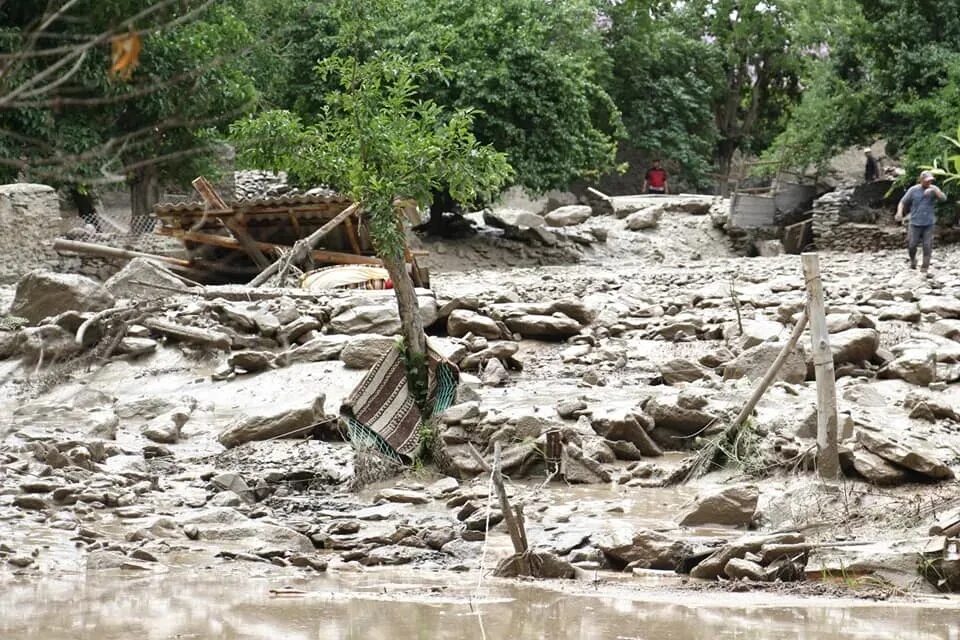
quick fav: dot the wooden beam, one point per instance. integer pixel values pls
(320, 255)
(828, 459)
(303, 247)
(233, 224)
(92, 249)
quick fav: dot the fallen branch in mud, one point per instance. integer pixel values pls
(709, 454)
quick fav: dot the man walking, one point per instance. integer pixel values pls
(919, 200)
(871, 170)
(655, 181)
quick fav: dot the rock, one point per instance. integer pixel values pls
(165, 429)
(681, 370)
(754, 332)
(363, 351)
(48, 344)
(317, 350)
(854, 345)
(42, 294)
(535, 564)
(875, 469)
(929, 408)
(30, 502)
(554, 327)
(459, 413)
(734, 506)
(675, 418)
(21, 562)
(909, 457)
(712, 567)
(512, 218)
(144, 279)
(503, 351)
(946, 329)
(570, 408)
(381, 318)
(628, 429)
(915, 367)
(568, 216)
(461, 322)
(576, 468)
(226, 525)
(136, 347)
(265, 423)
(643, 219)
(740, 569)
(494, 374)
(755, 362)
(404, 496)
(944, 306)
(906, 312)
(645, 549)
(251, 361)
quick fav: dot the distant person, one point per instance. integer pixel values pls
(919, 200)
(656, 180)
(871, 171)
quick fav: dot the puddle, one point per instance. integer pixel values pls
(383, 606)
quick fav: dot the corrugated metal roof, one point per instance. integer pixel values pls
(253, 203)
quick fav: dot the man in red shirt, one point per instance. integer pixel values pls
(656, 179)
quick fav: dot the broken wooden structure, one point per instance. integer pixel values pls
(239, 241)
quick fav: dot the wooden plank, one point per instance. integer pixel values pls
(233, 224)
(828, 459)
(352, 235)
(320, 255)
(90, 248)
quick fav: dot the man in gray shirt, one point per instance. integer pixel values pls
(919, 200)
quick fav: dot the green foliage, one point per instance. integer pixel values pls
(93, 128)
(377, 141)
(664, 83)
(527, 71)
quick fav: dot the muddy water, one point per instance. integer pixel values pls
(392, 606)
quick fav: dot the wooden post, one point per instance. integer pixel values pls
(514, 526)
(828, 460)
(552, 453)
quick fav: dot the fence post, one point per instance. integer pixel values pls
(828, 460)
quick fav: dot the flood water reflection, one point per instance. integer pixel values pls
(181, 605)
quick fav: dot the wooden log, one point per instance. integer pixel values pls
(828, 457)
(184, 333)
(517, 535)
(89, 248)
(551, 454)
(302, 247)
(210, 196)
(320, 255)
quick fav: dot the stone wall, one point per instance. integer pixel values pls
(29, 222)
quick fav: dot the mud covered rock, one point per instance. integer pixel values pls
(677, 419)
(644, 549)
(228, 526)
(274, 422)
(462, 321)
(754, 363)
(553, 327)
(42, 294)
(144, 279)
(908, 456)
(568, 215)
(363, 351)
(733, 506)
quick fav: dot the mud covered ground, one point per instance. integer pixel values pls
(189, 537)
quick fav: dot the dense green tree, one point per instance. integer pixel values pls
(79, 125)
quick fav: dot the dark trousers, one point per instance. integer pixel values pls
(920, 236)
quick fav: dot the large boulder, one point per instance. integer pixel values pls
(42, 294)
(644, 549)
(554, 327)
(680, 420)
(318, 349)
(734, 506)
(854, 345)
(363, 351)
(144, 279)
(380, 317)
(910, 456)
(513, 219)
(754, 332)
(643, 219)
(946, 329)
(462, 321)
(48, 343)
(943, 306)
(627, 428)
(227, 526)
(754, 363)
(569, 215)
(680, 370)
(872, 467)
(274, 422)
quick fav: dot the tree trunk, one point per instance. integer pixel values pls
(411, 323)
(725, 151)
(144, 193)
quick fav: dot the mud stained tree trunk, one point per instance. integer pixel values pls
(144, 193)
(411, 323)
(725, 151)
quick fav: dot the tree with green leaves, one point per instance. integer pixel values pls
(380, 144)
(65, 119)
(528, 70)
